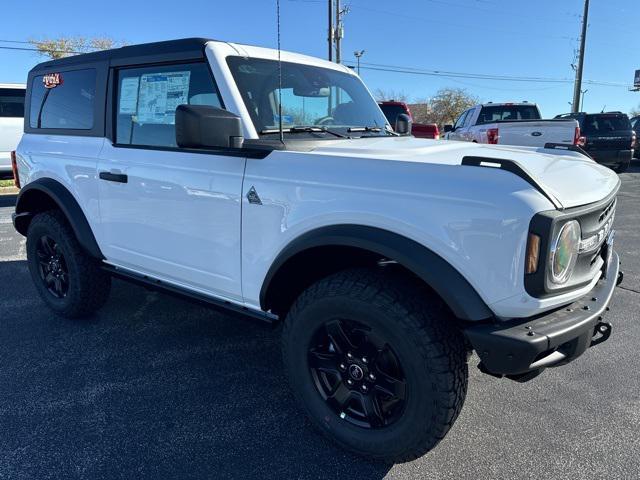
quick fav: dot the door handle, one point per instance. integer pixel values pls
(114, 177)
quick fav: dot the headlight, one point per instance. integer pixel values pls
(564, 253)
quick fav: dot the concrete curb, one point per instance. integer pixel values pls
(8, 190)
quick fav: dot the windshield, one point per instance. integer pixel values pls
(602, 123)
(508, 112)
(311, 97)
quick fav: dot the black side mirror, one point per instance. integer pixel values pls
(403, 124)
(448, 128)
(204, 126)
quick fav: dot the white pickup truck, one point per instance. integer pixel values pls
(11, 120)
(511, 124)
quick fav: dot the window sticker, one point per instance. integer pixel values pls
(52, 80)
(129, 95)
(160, 95)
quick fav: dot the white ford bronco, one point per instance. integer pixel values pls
(276, 189)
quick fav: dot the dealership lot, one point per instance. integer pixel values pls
(155, 387)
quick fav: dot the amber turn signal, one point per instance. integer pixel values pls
(533, 253)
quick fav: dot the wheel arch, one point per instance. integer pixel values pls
(48, 194)
(310, 256)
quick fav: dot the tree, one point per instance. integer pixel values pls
(635, 111)
(447, 105)
(382, 95)
(67, 46)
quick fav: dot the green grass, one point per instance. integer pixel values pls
(6, 183)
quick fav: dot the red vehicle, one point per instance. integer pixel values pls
(392, 109)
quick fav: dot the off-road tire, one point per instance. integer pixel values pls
(88, 285)
(418, 327)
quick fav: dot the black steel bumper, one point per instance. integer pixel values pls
(522, 348)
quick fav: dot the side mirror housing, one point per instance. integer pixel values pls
(403, 124)
(448, 128)
(204, 126)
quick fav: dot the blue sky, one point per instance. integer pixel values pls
(503, 37)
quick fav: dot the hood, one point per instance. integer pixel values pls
(570, 177)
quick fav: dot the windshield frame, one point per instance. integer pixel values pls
(269, 94)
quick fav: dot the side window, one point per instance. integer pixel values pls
(461, 120)
(147, 99)
(469, 119)
(11, 102)
(63, 100)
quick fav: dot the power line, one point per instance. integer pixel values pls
(478, 76)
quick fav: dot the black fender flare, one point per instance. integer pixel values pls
(436, 272)
(26, 207)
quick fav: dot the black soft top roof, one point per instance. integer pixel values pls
(142, 53)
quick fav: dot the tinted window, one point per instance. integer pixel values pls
(461, 120)
(148, 97)
(508, 112)
(67, 104)
(392, 112)
(604, 123)
(11, 102)
(311, 96)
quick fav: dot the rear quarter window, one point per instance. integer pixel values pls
(11, 103)
(67, 105)
(490, 114)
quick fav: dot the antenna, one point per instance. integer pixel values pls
(279, 77)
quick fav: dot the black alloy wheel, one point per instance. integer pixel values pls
(357, 373)
(52, 267)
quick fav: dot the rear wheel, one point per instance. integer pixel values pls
(69, 281)
(375, 363)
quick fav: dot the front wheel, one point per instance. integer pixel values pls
(375, 364)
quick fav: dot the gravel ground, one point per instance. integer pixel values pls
(155, 387)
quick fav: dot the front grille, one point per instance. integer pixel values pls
(593, 223)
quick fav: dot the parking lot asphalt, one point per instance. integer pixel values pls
(156, 387)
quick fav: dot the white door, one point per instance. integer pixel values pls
(167, 212)
(456, 134)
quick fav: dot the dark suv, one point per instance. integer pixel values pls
(607, 137)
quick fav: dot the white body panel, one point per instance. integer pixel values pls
(529, 133)
(177, 218)
(70, 160)
(184, 217)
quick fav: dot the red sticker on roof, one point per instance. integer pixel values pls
(52, 80)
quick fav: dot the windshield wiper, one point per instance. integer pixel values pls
(303, 129)
(372, 129)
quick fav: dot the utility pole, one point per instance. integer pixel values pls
(583, 38)
(331, 33)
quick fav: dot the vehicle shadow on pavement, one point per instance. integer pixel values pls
(151, 387)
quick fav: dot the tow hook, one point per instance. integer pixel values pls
(620, 277)
(601, 333)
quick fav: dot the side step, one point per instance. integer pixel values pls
(196, 297)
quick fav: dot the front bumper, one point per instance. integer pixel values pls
(522, 348)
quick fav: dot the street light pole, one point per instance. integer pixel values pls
(582, 102)
(358, 54)
(583, 38)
